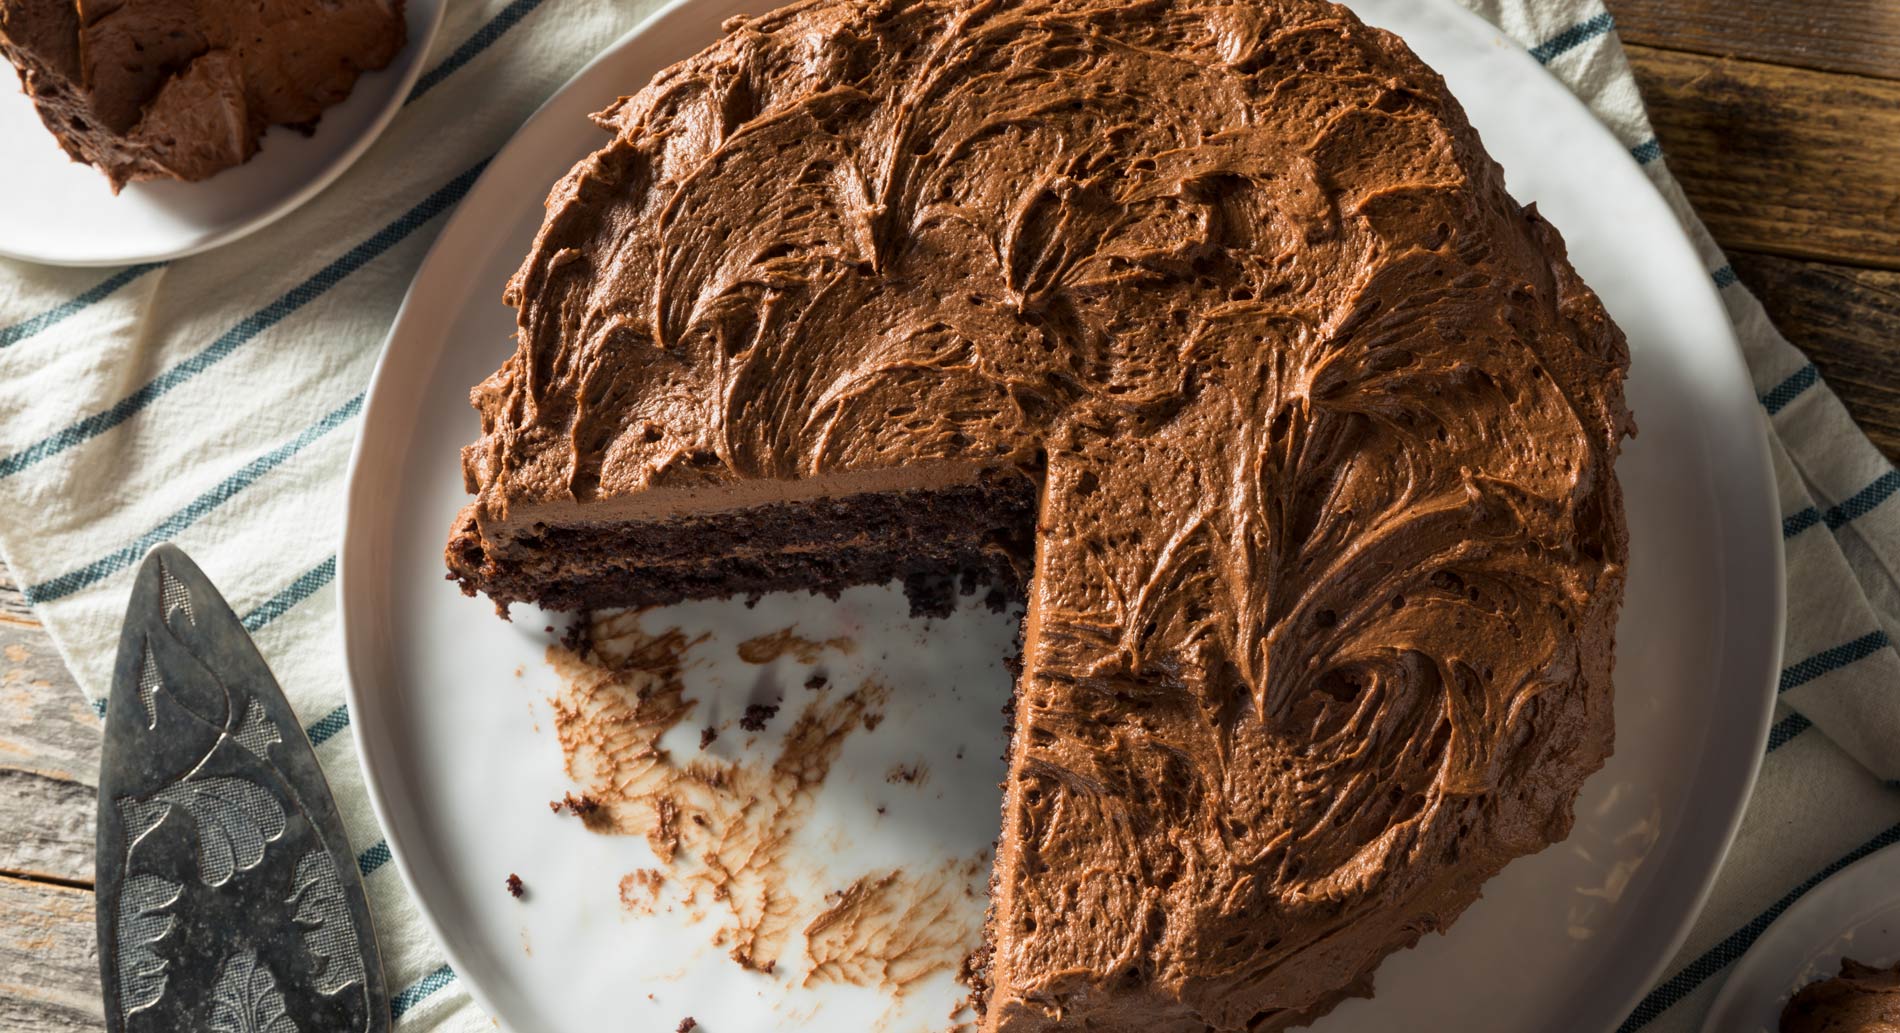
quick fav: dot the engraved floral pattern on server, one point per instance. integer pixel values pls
(235, 820)
(246, 999)
(322, 916)
(141, 921)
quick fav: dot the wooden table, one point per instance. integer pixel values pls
(1780, 117)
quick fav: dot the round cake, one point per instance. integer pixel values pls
(1208, 327)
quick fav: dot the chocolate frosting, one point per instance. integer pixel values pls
(1330, 545)
(182, 89)
(1862, 999)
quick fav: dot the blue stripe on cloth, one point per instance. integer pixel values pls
(249, 327)
(1833, 659)
(1573, 37)
(11, 335)
(106, 566)
(477, 42)
(1777, 398)
(373, 858)
(1647, 151)
(1863, 501)
(1858, 505)
(1724, 277)
(1799, 522)
(1720, 956)
(305, 586)
(1786, 729)
(328, 725)
(414, 994)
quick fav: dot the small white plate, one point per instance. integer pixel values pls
(60, 212)
(460, 755)
(1854, 914)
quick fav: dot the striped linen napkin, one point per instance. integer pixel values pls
(213, 400)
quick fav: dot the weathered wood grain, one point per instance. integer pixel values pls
(1858, 36)
(1848, 321)
(13, 607)
(49, 967)
(1781, 161)
(45, 725)
(49, 762)
(49, 827)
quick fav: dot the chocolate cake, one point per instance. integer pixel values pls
(184, 89)
(1862, 999)
(1208, 326)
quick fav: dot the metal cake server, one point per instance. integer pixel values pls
(228, 898)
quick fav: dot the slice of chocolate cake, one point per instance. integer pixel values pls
(1212, 319)
(184, 89)
(1861, 999)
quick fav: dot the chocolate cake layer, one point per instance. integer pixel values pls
(822, 545)
(183, 89)
(1327, 542)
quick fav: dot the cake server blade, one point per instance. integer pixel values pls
(227, 895)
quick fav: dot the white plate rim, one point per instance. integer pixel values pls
(419, 46)
(354, 554)
(1752, 969)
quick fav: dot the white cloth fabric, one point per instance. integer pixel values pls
(213, 401)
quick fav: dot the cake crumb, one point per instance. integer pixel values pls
(687, 1025)
(640, 890)
(756, 715)
(746, 960)
(910, 774)
(873, 718)
(579, 806)
(816, 682)
(515, 889)
(664, 836)
(707, 735)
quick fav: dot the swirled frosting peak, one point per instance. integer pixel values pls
(1319, 422)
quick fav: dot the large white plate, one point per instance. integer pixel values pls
(55, 210)
(461, 764)
(1854, 914)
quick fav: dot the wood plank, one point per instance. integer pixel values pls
(1857, 36)
(49, 965)
(46, 726)
(49, 824)
(13, 607)
(1848, 321)
(49, 761)
(1781, 161)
